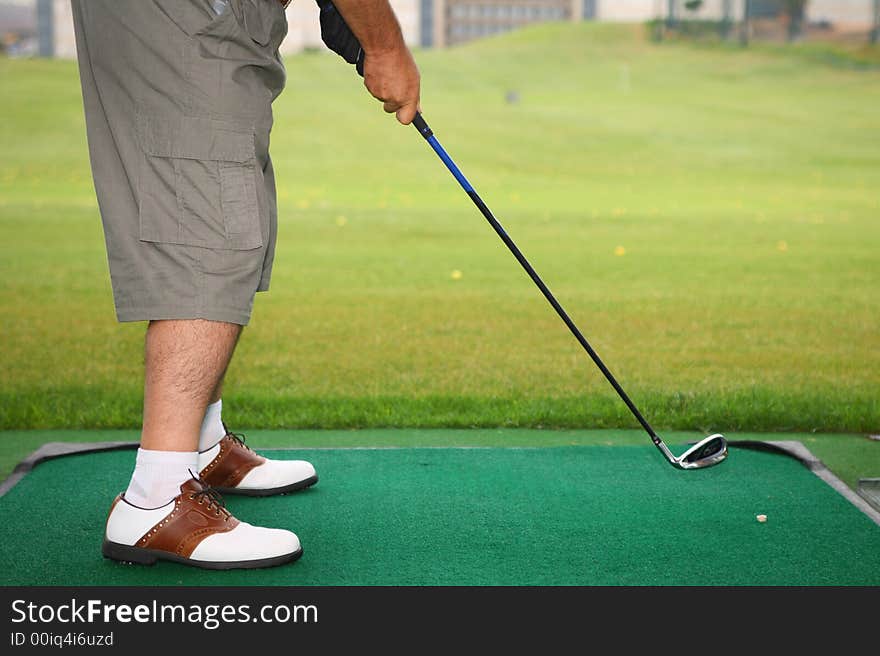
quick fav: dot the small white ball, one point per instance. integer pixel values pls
(761, 518)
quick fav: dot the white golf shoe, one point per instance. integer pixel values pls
(233, 468)
(194, 529)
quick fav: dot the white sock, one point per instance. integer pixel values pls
(158, 476)
(212, 427)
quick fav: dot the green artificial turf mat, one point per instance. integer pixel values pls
(850, 457)
(590, 515)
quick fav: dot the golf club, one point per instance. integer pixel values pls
(705, 453)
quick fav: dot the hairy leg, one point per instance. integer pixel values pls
(185, 361)
(218, 391)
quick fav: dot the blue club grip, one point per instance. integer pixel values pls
(422, 126)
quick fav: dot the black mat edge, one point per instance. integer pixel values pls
(52, 450)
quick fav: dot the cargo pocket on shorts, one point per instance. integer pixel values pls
(197, 183)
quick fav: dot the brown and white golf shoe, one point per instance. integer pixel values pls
(195, 529)
(232, 467)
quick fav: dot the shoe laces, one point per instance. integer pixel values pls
(210, 496)
(238, 437)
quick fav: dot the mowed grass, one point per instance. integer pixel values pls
(708, 217)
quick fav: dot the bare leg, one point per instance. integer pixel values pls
(218, 391)
(185, 362)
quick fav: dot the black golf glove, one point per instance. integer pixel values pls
(337, 35)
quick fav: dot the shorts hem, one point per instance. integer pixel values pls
(166, 312)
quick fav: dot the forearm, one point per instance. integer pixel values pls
(373, 23)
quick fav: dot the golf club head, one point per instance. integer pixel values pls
(705, 453)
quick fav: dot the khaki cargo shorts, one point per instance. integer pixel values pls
(178, 107)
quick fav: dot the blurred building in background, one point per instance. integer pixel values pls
(45, 27)
(449, 22)
(781, 19)
(18, 29)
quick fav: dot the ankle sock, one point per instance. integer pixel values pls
(158, 476)
(212, 427)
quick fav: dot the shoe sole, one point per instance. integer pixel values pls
(257, 492)
(139, 556)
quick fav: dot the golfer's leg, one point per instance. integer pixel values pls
(184, 365)
(217, 393)
(178, 140)
(185, 360)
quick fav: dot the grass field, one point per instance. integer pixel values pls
(708, 216)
